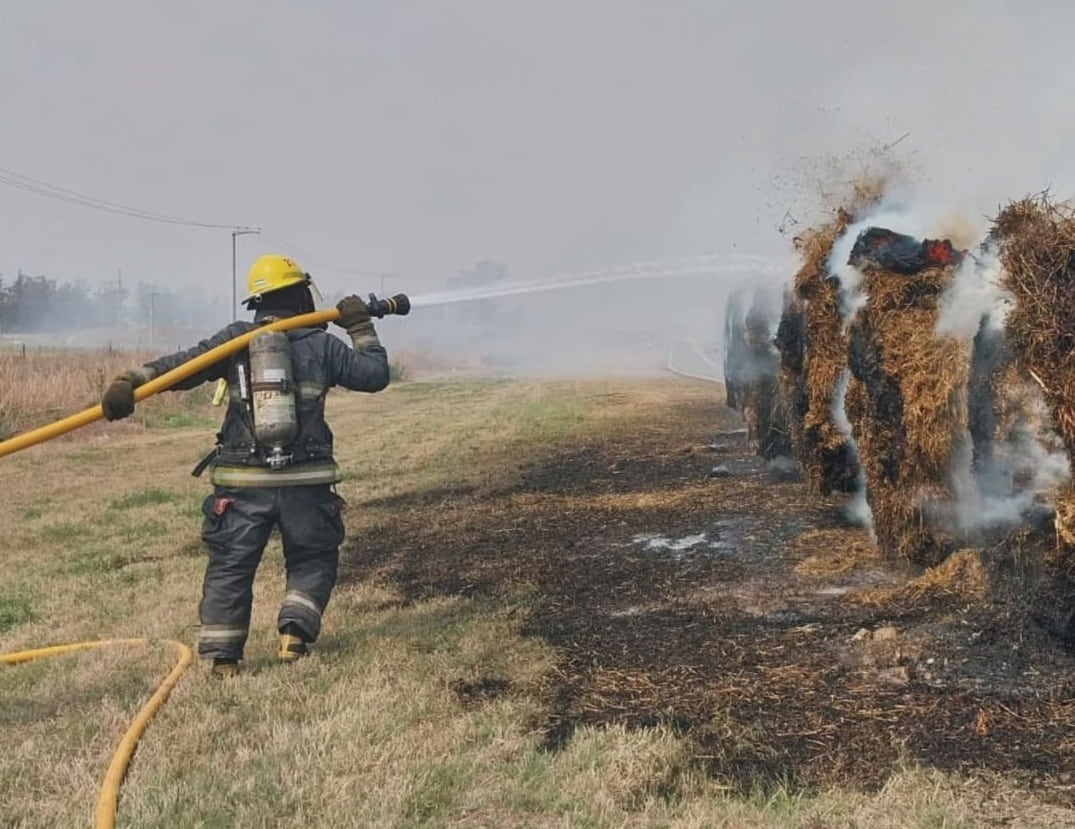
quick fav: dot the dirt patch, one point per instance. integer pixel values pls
(724, 608)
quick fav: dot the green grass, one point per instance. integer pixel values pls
(183, 420)
(16, 608)
(146, 497)
(66, 533)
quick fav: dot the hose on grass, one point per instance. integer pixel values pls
(108, 797)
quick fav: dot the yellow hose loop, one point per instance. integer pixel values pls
(108, 798)
(165, 381)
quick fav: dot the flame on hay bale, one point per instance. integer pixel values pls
(907, 404)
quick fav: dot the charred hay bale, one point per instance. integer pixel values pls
(751, 371)
(790, 344)
(813, 361)
(906, 401)
(766, 409)
(1036, 239)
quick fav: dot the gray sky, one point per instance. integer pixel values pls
(552, 135)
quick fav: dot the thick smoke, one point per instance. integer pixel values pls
(975, 295)
(1027, 468)
(1001, 494)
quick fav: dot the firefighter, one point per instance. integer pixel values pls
(257, 486)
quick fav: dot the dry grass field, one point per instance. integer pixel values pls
(548, 616)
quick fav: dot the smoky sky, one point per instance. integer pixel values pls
(417, 138)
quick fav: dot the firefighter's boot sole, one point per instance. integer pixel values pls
(224, 668)
(292, 648)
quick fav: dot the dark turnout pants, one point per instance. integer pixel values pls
(236, 528)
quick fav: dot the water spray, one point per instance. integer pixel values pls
(700, 266)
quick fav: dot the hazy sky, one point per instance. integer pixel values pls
(419, 137)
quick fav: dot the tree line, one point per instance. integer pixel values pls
(33, 304)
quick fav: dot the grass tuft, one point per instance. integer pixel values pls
(146, 497)
(15, 609)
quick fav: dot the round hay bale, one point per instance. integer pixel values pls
(813, 361)
(906, 401)
(1037, 245)
(1036, 240)
(751, 377)
(768, 428)
(735, 347)
(791, 345)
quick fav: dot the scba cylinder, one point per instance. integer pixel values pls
(272, 390)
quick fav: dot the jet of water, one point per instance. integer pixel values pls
(739, 265)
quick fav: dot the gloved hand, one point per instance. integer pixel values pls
(353, 312)
(118, 399)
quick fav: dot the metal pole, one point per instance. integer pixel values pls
(234, 298)
(239, 231)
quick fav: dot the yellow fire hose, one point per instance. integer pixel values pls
(165, 381)
(108, 798)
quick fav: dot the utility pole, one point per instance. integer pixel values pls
(239, 231)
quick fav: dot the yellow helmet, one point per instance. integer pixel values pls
(271, 273)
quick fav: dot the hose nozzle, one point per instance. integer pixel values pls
(399, 304)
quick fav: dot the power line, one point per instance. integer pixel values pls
(28, 184)
(317, 260)
(9, 178)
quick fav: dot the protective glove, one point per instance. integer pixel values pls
(355, 317)
(118, 399)
(353, 312)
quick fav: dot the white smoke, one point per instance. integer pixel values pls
(976, 293)
(1023, 470)
(1024, 473)
(857, 510)
(839, 410)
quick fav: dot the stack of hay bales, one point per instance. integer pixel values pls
(1037, 251)
(813, 362)
(906, 401)
(750, 371)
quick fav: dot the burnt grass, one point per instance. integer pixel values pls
(767, 672)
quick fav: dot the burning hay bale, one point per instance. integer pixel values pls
(1036, 238)
(813, 363)
(906, 401)
(750, 372)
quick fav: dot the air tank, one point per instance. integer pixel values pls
(273, 394)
